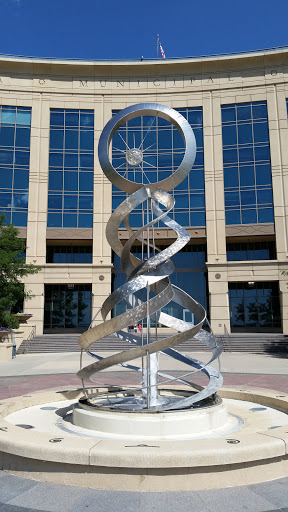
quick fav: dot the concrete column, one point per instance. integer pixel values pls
(283, 287)
(37, 209)
(219, 298)
(278, 133)
(102, 264)
(215, 213)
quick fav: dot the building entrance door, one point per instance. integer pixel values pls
(67, 307)
(255, 307)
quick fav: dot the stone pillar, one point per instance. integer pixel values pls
(101, 284)
(283, 287)
(37, 208)
(215, 213)
(278, 133)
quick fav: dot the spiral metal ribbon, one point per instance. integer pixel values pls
(152, 273)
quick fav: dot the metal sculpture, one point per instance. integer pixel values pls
(151, 275)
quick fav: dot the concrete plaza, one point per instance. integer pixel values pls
(28, 373)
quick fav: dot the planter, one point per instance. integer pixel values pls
(2, 334)
(23, 317)
(4, 331)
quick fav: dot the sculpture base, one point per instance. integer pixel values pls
(209, 421)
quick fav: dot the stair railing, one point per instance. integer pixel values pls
(227, 341)
(30, 337)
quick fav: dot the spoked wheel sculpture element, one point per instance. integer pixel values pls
(148, 289)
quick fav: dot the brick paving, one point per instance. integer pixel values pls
(21, 385)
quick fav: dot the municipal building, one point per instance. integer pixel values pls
(234, 203)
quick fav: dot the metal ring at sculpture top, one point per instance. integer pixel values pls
(147, 109)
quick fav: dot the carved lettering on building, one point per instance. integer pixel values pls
(167, 81)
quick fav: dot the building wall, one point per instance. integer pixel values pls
(104, 87)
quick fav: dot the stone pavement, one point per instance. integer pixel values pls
(34, 372)
(28, 373)
(23, 495)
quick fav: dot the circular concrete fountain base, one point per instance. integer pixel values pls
(37, 439)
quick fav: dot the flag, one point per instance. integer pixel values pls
(162, 51)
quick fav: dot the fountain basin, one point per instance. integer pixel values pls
(256, 452)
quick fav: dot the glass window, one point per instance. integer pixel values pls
(232, 217)
(69, 220)
(72, 118)
(22, 158)
(244, 133)
(71, 151)
(8, 115)
(55, 202)
(14, 163)
(56, 139)
(21, 179)
(23, 137)
(71, 139)
(254, 308)
(6, 177)
(67, 307)
(70, 180)
(7, 135)
(57, 117)
(23, 117)
(55, 180)
(228, 114)
(86, 181)
(250, 153)
(249, 216)
(251, 251)
(261, 133)
(69, 254)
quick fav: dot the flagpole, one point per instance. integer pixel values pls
(157, 46)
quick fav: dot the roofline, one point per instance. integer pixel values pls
(142, 60)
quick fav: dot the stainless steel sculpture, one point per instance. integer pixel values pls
(152, 275)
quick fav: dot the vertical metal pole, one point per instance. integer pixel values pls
(148, 315)
(152, 360)
(157, 46)
(144, 370)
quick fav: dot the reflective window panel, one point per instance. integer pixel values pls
(255, 307)
(15, 128)
(163, 150)
(71, 164)
(190, 275)
(67, 306)
(244, 251)
(69, 254)
(247, 167)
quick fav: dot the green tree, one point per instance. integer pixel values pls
(12, 269)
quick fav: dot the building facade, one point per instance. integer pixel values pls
(234, 202)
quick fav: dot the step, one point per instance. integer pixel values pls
(237, 342)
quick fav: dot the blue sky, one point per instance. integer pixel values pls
(99, 29)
